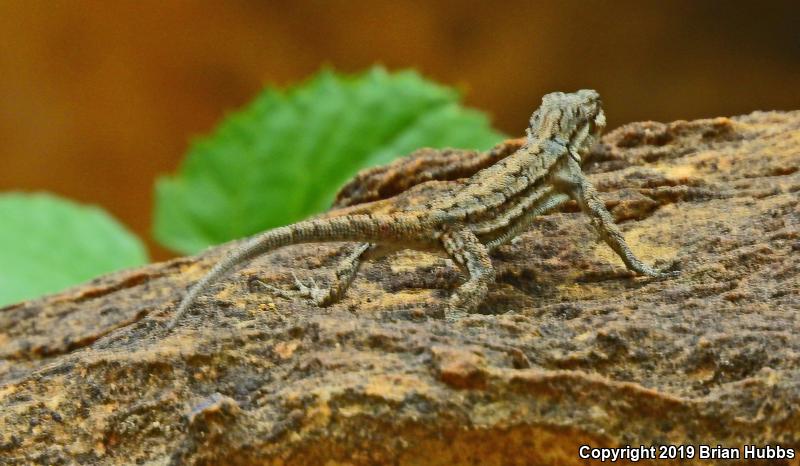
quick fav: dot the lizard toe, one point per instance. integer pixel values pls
(669, 271)
(314, 293)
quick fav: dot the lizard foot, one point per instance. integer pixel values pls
(317, 295)
(454, 314)
(463, 302)
(668, 271)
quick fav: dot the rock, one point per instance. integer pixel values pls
(570, 349)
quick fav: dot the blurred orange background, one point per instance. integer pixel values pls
(98, 98)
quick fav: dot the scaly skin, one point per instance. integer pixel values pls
(465, 223)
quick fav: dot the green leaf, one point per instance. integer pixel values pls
(284, 156)
(48, 244)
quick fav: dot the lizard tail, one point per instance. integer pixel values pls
(362, 228)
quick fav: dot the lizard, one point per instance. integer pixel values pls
(470, 219)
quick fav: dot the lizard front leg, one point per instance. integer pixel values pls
(468, 252)
(581, 189)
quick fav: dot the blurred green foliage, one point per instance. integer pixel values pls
(48, 244)
(283, 157)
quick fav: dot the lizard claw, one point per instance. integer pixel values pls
(456, 309)
(273, 289)
(669, 271)
(303, 289)
(314, 293)
(454, 314)
(319, 296)
(661, 272)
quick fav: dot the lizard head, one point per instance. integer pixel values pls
(577, 119)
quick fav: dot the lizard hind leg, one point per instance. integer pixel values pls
(468, 252)
(346, 271)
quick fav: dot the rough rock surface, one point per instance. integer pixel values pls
(569, 349)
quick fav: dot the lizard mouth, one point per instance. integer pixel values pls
(599, 121)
